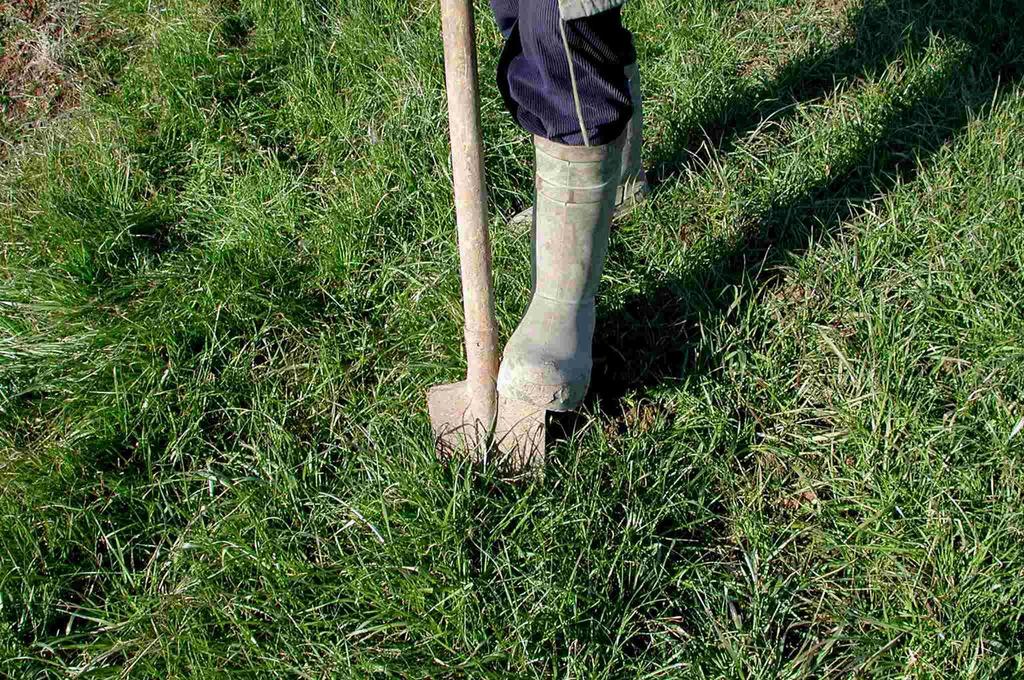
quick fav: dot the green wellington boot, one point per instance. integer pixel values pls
(633, 185)
(548, 360)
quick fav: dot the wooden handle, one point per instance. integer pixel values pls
(471, 206)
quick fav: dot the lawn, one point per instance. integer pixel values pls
(228, 275)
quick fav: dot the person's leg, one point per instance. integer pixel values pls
(534, 65)
(506, 14)
(565, 81)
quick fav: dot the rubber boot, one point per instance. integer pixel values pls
(549, 358)
(633, 180)
(633, 185)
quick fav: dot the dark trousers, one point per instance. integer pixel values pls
(536, 79)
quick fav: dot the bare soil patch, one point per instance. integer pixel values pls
(41, 74)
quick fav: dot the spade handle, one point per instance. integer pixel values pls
(471, 212)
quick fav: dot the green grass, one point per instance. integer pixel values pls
(229, 276)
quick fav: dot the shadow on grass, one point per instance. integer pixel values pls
(652, 337)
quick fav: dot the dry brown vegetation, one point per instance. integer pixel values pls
(41, 65)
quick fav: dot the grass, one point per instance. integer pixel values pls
(228, 275)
